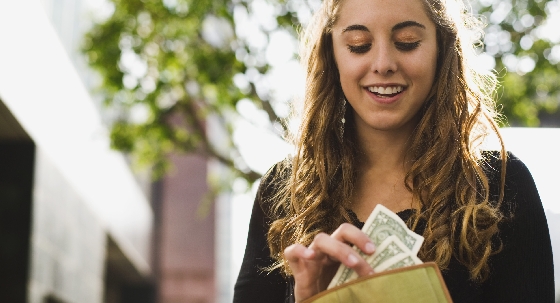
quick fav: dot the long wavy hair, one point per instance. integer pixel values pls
(447, 173)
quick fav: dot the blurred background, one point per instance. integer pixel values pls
(133, 134)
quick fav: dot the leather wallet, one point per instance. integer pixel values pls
(421, 283)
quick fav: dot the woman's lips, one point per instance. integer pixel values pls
(385, 94)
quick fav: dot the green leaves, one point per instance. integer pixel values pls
(516, 37)
(176, 60)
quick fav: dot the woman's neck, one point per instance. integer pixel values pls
(384, 149)
(382, 167)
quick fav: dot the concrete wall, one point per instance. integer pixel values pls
(68, 241)
(90, 216)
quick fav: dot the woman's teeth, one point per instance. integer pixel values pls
(389, 90)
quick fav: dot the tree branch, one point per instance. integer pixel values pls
(206, 148)
(273, 117)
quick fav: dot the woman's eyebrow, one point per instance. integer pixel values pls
(404, 24)
(356, 27)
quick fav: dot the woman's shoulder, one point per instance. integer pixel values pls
(515, 168)
(278, 173)
(519, 187)
(523, 238)
(272, 183)
(281, 169)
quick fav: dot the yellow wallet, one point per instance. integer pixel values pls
(421, 283)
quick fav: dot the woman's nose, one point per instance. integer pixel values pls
(384, 59)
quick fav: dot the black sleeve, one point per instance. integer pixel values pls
(523, 271)
(255, 283)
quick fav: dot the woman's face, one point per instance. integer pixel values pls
(386, 53)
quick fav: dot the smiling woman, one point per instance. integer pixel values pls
(394, 114)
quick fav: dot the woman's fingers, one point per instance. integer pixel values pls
(349, 233)
(305, 268)
(297, 256)
(336, 247)
(297, 252)
(314, 266)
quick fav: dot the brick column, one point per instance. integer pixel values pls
(185, 252)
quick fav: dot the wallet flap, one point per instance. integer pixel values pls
(417, 283)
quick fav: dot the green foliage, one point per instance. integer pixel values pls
(153, 57)
(529, 74)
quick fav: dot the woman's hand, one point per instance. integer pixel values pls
(314, 267)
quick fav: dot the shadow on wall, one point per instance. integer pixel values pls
(16, 183)
(52, 299)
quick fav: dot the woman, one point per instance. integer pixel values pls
(394, 115)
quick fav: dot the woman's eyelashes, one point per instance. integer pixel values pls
(359, 49)
(407, 46)
(402, 46)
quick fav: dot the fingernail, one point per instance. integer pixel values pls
(308, 253)
(352, 260)
(369, 247)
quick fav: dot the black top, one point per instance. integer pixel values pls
(521, 272)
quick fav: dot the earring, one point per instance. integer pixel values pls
(343, 119)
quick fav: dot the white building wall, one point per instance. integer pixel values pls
(67, 241)
(84, 192)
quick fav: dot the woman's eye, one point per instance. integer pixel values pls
(359, 49)
(407, 46)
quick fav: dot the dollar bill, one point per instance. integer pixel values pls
(342, 275)
(383, 223)
(390, 249)
(394, 242)
(402, 261)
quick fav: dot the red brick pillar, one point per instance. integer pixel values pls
(184, 250)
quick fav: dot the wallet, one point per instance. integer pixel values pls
(420, 283)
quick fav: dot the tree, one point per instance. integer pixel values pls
(181, 63)
(527, 57)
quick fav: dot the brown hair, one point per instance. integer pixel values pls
(446, 175)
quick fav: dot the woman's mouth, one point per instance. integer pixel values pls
(385, 91)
